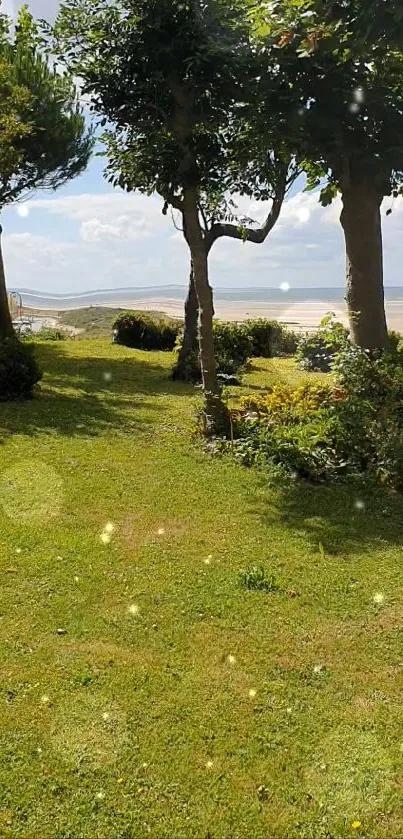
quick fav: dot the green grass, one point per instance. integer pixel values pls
(173, 702)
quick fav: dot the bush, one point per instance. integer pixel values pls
(233, 348)
(19, 371)
(236, 343)
(270, 338)
(47, 333)
(144, 331)
(317, 350)
(288, 427)
(351, 428)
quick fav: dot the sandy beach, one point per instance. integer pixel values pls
(298, 315)
(304, 315)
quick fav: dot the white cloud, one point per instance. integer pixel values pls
(106, 208)
(123, 228)
(40, 251)
(117, 239)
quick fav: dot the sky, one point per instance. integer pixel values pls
(89, 236)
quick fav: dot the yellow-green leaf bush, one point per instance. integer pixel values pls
(349, 428)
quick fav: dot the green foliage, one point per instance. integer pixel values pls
(256, 579)
(286, 404)
(48, 333)
(145, 331)
(288, 427)
(395, 343)
(324, 432)
(137, 60)
(233, 348)
(19, 371)
(270, 338)
(317, 350)
(236, 343)
(44, 139)
(345, 62)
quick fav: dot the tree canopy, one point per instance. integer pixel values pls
(44, 141)
(345, 62)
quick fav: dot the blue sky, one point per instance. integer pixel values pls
(88, 235)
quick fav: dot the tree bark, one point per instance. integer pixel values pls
(6, 323)
(361, 222)
(182, 369)
(215, 412)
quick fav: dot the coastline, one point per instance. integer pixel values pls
(296, 314)
(304, 315)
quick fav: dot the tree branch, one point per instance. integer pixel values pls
(250, 234)
(174, 201)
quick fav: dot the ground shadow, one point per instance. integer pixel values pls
(343, 518)
(126, 376)
(82, 395)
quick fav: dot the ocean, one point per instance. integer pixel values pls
(125, 296)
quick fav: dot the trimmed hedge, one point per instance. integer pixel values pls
(144, 331)
(19, 371)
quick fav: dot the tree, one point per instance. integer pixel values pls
(220, 221)
(345, 61)
(43, 138)
(169, 78)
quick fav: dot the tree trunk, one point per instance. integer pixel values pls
(216, 414)
(6, 323)
(183, 367)
(361, 222)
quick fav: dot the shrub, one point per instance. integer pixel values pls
(285, 342)
(233, 348)
(47, 333)
(284, 403)
(144, 331)
(19, 371)
(288, 427)
(317, 350)
(236, 343)
(351, 428)
(270, 338)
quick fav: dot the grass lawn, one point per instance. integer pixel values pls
(143, 691)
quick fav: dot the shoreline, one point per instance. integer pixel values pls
(305, 315)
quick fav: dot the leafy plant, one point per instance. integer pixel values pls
(256, 579)
(19, 371)
(317, 350)
(328, 432)
(44, 140)
(145, 331)
(48, 333)
(270, 338)
(233, 348)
